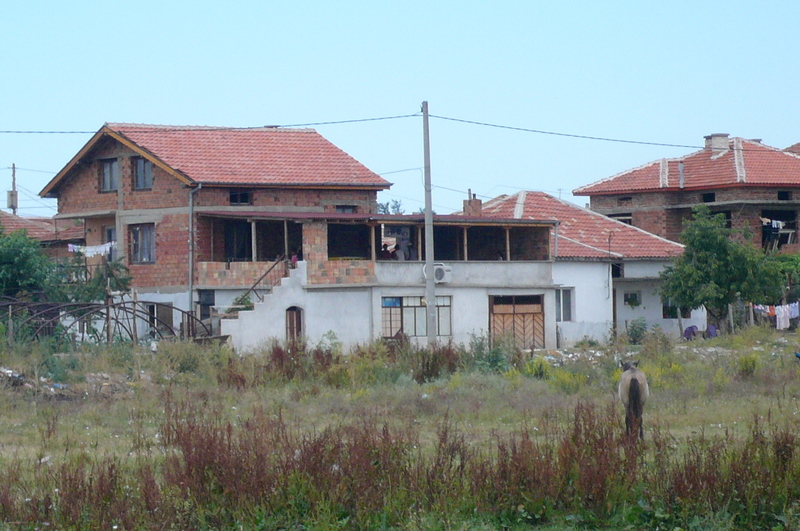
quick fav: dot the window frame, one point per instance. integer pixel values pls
(238, 197)
(562, 305)
(142, 173)
(109, 175)
(632, 298)
(409, 315)
(142, 243)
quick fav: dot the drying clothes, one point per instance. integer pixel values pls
(92, 250)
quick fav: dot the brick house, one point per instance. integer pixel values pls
(201, 215)
(756, 187)
(53, 235)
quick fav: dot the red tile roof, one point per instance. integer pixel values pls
(265, 156)
(42, 229)
(744, 163)
(582, 233)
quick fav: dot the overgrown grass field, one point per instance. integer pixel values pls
(476, 436)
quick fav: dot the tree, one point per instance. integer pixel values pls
(24, 268)
(391, 207)
(715, 269)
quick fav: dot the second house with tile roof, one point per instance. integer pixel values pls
(755, 186)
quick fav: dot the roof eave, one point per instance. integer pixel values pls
(49, 191)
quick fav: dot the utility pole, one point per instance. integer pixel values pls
(12, 195)
(430, 281)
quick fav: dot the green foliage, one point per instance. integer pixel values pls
(491, 355)
(538, 368)
(24, 268)
(241, 303)
(637, 329)
(395, 206)
(70, 281)
(746, 365)
(567, 381)
(715, 270)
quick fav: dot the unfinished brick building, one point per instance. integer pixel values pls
(756, 187)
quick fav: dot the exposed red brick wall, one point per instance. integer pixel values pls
(81, 191)
(365, 201)
(171, 267)
(648, 212)
(323, 271)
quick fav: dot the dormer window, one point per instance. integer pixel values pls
(241, 197)
(109, 175)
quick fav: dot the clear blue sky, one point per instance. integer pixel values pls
(666, 72)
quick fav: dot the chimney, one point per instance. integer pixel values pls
(473, 207)
(683, 174)
(717, 142)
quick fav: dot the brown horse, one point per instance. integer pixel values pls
(633, 391)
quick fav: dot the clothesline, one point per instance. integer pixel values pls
(783, 313)
(91, 250)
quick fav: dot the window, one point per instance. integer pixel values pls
(110, 236)
(784, 196)
(345, 209)
(409, 316)
(143, 243)
(669, 310)
(564, 304)
(349, 242)
(109, 177)
(206, 299)
(624, 218)
(632, 298)
(709, 197)
(241, 197)
(143, 173)
(618, 270)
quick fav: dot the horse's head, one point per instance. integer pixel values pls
(628, 365)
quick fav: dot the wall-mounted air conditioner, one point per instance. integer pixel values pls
(442, 273)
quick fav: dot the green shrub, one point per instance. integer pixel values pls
(746, 365)
(636, 330)
(567, 381)
(538, 368)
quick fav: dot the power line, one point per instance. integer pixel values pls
(570, 135)
(353, 121)
(28, 169)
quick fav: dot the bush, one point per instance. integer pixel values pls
(636, 330)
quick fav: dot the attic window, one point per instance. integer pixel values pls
(623, 201)
(618, 270)
(109, 175)
(241, 197)
(710, 197)
(626, 217)
(784, 196)
(345, 209)
(143, 173)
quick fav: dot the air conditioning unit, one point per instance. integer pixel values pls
(442, 273)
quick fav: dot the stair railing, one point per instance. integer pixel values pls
(280, 261)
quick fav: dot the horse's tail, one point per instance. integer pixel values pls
(635, 399)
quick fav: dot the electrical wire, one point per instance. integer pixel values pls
(570, 135)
